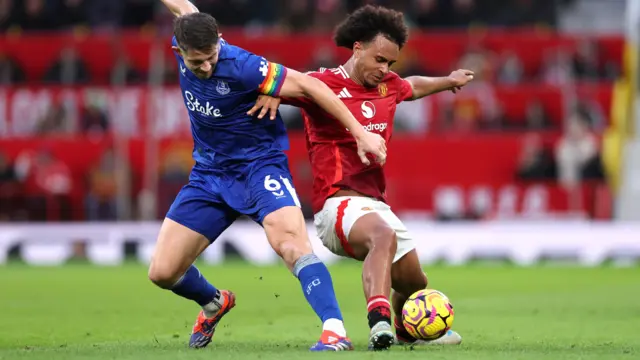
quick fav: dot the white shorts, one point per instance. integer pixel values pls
(334, 222)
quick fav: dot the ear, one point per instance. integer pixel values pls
(357, 48)
(177, 50)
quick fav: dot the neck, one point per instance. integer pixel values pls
(350, 67)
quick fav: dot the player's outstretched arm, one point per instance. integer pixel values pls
(275, 80)
(423, 86)
(180, 7)
(298, 85)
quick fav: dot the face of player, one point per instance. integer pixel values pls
(373, 60)
(201, 63)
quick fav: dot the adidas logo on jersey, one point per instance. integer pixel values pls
(194, 104)
(344, 93)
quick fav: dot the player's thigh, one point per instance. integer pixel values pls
(370, 232)
(194, 220)
(351, 226)
(407, 275)
(277, 209)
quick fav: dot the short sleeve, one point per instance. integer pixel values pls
(265, 76)
(405, 90)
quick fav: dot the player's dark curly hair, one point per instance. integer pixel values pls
(197, 31)
(364, 24)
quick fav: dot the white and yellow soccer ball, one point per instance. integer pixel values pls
(427, 314)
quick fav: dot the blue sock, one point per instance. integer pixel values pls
(317, 287)
(194, 286)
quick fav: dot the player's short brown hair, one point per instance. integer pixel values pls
(369, 21)
(197, 31)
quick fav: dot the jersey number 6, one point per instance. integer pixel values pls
(276, 189)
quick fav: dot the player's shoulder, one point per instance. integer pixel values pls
(392, 77)
(330, 75)
(394, 82)
(232, 52)
(233, 60)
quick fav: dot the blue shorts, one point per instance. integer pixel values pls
(211, 201)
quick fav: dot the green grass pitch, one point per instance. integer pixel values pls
(87, 312)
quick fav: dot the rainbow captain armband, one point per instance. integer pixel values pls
(273, 80)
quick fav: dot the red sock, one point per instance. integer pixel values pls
(379, 309)
(402, 333)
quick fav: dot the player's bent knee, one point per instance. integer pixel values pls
(163, 276)
(176, 249)
(163, 273)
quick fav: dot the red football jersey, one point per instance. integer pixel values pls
(332, 149)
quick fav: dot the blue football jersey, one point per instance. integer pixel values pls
(224, 136)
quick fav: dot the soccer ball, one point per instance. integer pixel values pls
(427, 314)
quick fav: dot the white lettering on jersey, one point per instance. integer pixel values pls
(193, 104)
(374, 127)
(264, 68)
(183, 70)
(344, 93)
(368, 109)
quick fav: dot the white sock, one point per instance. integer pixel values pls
(335, 325)
(212, 308)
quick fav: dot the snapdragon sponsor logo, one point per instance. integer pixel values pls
(379, 127)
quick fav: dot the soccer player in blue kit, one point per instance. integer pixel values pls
(241, 169)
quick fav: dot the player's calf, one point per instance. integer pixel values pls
(287, 233)
(172, 268)
(372, 238)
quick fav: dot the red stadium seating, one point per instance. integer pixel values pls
(438, 52)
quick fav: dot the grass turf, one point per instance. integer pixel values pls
(82, 312)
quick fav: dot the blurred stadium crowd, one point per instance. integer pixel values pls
(544, 97)
(286, 15)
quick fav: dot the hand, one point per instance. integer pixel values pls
(460, 78)
(373, 144)
(266, 103)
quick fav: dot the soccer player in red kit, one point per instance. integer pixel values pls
(351, 214)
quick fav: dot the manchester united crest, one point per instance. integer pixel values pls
(382, 90)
